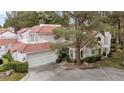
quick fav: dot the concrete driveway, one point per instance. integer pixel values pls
(54, 72)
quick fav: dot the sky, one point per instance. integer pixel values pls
(2, 17)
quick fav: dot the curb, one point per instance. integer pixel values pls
(25, 77)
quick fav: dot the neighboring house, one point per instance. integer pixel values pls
(7, 33)
(33, 45)
(7, 38)
(37, 34)
(90, 48)
(6, 44)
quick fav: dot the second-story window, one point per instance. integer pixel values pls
(21, 37)
(99, 39)
(34, 38)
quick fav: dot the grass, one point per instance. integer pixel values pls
(13, 77)
(114, 61)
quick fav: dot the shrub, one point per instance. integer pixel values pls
(110, 54)
(11, 65)
(113, 50)
(2, 68)
(63, 55)
(17, 66)
(8, 56)
(21, 67)
(73, 60)
(59, 59)
(5, 61)
(91, 59)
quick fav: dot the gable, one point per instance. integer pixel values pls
(100, 35)
(8, 34)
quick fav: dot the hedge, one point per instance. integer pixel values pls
(59, 59)
(87, 59)
(8, 56)
(91, 59)
(16, 66)
(2, 68)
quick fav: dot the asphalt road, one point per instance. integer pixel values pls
(54, 72)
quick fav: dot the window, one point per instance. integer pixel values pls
(99, 51)
(24, 59)
(34, 38)
(93, 51)
(99, 39)
(6, 46)
(71, 53)
(21, 37)
(81, 54)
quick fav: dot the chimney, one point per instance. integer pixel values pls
(12, 29)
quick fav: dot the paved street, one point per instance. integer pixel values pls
(54, 72)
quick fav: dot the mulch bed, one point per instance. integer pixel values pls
(71, 66)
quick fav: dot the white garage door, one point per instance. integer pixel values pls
(36, 59)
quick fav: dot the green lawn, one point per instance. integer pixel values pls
(114, 61)
(13, 77)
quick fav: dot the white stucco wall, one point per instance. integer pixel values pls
(87, 52)
(8, 34)
(102, 41)
(107, 39)
(19, 56)
(24, 37)
(4, 49)
(105, 42)
(49, 38)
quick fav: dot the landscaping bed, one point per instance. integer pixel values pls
(71, 66)
(12, 70)
(13, 77)
(114, 61)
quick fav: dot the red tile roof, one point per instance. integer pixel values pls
(44, 29)
(41, 29)
(29, 48)
(2, 30)
(7, 41)
(22, 30)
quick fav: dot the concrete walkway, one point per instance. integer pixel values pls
(54, 72)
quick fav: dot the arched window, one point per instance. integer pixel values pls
(99, 39)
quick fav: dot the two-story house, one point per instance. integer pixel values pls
(7, 38)
(90, 48)
(33, 45)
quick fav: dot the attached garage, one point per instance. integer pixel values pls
(40, 58)
(36, 54)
